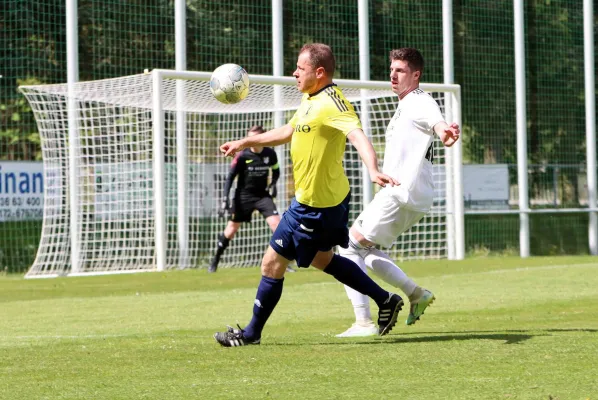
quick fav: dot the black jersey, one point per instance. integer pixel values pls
(252, 170)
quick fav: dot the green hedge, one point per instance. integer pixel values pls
(550, 234)
(18, 245)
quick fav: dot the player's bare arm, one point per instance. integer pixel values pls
(363, 146)
(448, 134)
(273, 137)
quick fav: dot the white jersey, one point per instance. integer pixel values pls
(409, 136)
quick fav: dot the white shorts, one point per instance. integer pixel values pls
(392, 212)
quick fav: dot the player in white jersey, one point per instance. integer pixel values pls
(407, 158)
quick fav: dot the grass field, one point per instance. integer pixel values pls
(501, 328)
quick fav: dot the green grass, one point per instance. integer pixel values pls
(501, 328)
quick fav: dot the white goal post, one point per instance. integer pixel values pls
(139, 157)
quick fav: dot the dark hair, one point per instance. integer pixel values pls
(413, 57)
(320, 55)
(256, 128)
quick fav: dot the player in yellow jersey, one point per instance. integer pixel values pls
(317, 218)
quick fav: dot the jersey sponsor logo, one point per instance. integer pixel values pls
(248, 161)
(266, 159)
(258, 168)
(303, 128)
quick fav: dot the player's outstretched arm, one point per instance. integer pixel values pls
(367, 153)
(273, 137)
(447, 134)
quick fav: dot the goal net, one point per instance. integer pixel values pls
(134, 177)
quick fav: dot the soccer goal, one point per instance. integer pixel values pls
(134, 177)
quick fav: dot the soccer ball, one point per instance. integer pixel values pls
(229, 83)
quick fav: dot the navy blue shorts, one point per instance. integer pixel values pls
(305, 230)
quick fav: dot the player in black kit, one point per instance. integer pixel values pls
(252, 166)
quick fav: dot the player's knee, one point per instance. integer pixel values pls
(231, 229)
(273, 222)
(355, 235)
(357, 238)
(322, 259)
(273, 264)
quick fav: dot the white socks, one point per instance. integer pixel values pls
(361, 302)
(383, 266)
(388, 271)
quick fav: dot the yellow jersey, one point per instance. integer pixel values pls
(321, 125)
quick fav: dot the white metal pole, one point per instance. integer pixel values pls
(521, 128)
(458, 181)
(278, 70)
(182, 163)
(158, 169)
(448, 71)
(364, 75)
(277, 39)
(588, 24)
(72, 61)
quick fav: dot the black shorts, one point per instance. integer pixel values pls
(243, 207)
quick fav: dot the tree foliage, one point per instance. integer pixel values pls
(118, 37)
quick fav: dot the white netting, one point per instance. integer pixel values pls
(115, 176)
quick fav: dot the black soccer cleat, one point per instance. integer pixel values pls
(212, 268)
(233, 338)
(388, 313)
(214, 264)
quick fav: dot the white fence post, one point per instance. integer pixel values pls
(180, 30)
(72, 61)
(521, 128)
(158, 168)
(588, 24)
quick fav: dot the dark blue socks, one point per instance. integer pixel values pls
(268, 294)
(347, 272)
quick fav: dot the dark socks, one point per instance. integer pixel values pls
(347, 272)
(268, 294)
(223, 242)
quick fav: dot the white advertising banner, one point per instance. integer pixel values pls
(21, 190)
(124, 190)
(486, 186)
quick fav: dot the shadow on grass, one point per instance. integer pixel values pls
(508, 338)
(514, 336)
(533, 332)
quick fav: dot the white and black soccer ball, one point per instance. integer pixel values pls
(229, 83)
